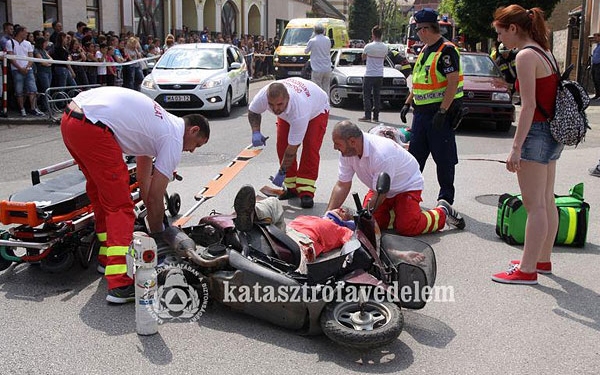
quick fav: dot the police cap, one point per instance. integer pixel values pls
(426, 15)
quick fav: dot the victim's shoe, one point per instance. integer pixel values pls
(287, 194)
(244, 203)
(544, 268)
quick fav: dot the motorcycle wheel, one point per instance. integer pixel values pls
(380, 323)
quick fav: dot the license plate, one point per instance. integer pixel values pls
(177, 98)
(387, 92)
(294, 72)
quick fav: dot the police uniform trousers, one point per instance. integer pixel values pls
(441, 144)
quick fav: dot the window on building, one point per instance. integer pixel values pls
(93, 13)
(50, 13)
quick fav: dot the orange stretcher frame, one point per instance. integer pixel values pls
(217, 184)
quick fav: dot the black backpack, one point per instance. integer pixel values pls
(570, 123)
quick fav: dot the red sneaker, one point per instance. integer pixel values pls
(544, 268)
(515, 276)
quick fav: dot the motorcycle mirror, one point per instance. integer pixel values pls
(383, 183)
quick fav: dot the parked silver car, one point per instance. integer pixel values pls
(199, 77)
(347, 79)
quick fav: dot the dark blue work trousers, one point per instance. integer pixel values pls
(441, 144)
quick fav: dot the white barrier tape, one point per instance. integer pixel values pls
(60, 62)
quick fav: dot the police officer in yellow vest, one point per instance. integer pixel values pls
(436, 96)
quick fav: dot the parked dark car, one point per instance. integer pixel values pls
(486, 94)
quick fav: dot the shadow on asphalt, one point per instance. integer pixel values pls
(391, 358)
(575, 302)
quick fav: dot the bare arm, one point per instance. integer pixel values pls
(339, 194)
(254, 119)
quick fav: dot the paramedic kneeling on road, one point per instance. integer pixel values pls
(368, 155)
(302, 111)
(100, 125)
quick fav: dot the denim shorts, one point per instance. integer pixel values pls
(540, 146)
(24, 82)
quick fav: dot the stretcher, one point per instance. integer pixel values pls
(52, 221)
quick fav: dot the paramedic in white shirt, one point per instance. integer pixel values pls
(98, 127)
(302, 110)
(367, 155)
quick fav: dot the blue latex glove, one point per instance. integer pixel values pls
(258, 139)
(278, 179)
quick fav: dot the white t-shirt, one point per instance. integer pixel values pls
(319, 48)
(100, 58)
(307, 101)
(20, 49)
(376, 52)
(141, 126)
(382, 155)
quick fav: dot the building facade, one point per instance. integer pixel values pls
(158, 17)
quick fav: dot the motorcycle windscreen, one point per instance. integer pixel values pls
(415, 279)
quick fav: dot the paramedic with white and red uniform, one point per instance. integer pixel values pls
(98, 127)
(302, 110)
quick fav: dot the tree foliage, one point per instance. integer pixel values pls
(474, 17)
(363, 16)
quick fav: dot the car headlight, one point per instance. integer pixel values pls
(354, 80)
(212, 83)
(148, 83)
(398, 81)
(501, 97)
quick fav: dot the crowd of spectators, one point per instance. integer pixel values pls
(88, 45)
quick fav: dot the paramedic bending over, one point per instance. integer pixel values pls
(98, 127)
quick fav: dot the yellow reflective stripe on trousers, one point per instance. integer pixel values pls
(103, 250)
(392, 218)
(305, 184)
(433, 221)
(115, 269)
(290, 182)
(572, 229)
(102, 236)
(117, 250)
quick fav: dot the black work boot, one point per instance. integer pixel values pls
(244, 203)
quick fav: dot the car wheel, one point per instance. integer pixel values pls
(335, 97)
(226, 111)
(503, 126)
(244, 101)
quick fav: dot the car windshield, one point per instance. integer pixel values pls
(479, 65)
(205, 58)
(296, 37)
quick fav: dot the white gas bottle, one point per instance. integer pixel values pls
(144, 251)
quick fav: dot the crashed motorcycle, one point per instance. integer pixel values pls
(353, 294)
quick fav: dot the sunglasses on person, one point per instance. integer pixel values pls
(417, 29)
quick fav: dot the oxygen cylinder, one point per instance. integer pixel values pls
(144, 250)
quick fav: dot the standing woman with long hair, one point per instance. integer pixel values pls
(534, 151)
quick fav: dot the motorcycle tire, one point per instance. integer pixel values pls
(341, 323)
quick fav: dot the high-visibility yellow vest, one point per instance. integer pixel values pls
(429, 85)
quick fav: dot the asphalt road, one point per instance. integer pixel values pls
(61, 323)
